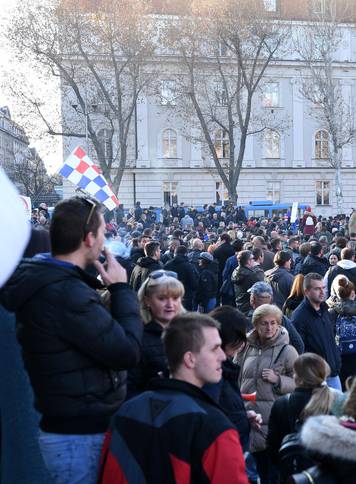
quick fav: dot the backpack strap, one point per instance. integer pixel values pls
(279, 354)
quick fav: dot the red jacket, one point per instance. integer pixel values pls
(173, 434)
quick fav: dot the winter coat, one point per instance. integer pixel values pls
(332, 443)
(316, 330)
(276, 354)
(230, 265)
(193, 257)
(222, 253)
(243, 278)
(227, 394)
(352, 223)
(343, 267)
(268, 258)
(75, 351)
(136, 253)
(207, 284)
(286, 411)
(344, 308)
(187, 273)
(281, 281)
(174, 433)
(153, 360)
(309, 229)
(313, 263)
(142, 270)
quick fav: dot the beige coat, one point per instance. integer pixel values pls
(278, 355)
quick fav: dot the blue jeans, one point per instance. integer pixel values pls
(334, 382)
(71, 459)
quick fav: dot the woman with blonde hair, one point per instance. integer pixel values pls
(295, 297)
(267, 370)
(311, 396)
(160, 298)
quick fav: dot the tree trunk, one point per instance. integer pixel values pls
(338, 184)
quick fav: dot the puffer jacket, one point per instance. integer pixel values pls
(74, 350)
(278, 355)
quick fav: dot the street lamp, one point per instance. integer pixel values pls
(86, 114)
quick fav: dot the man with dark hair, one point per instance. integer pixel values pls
(243, 278)
(346, 266)
(312, 320)
(74, 349)
(176, 433)
(268, 256)
(315, 262)
(221, 254)
(146, 265)
(187, 274)
(280, 277)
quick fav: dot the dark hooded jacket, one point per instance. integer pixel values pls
(243, 278)
(313, 263)
(187, 273)
(75, 351)
(143, 268)
(281, 281)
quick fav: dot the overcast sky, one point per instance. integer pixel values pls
(50, 151)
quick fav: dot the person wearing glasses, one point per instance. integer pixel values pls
(266, 369)
(75, 350)
(160, 298)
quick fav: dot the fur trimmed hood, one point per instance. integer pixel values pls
(326, 437)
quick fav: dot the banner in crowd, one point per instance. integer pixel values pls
(82, 172)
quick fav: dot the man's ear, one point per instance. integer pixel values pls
(89, 240)
(189, 360)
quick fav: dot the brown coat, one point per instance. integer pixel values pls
(278, 355)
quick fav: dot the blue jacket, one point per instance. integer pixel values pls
(316, 330)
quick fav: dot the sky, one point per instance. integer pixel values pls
(50, 150)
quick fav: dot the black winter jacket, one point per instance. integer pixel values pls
(243, 278)
(207, 284)
(187, 273)
(227, 394)
(281, 281)
(153, 360)
(74, 350)
(316, 330)
(143, 268)
(312, 263)
(222, 253)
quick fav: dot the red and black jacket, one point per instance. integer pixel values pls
(172, 434)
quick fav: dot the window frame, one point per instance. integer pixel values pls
(269, 150)
(172, 148)
(265, 94)
(221, 144)
(168, 95)
(170, 192)
(319, 145)
(273, 187)
(322, 192)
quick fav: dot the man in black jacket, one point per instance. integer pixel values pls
(187, 274)
(74, 349)
(243, 278)
(146, 265)
(315, 262)
(312, 321)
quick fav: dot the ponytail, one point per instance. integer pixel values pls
(320, 402)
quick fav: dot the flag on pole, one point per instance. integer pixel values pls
(80, 170)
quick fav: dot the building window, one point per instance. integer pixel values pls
(220, 94)
(221, 193)
(271, 95)
(271, 143)
(168, 93)
(221, 143)
(105, 139)
(270, 5)
(321, 144)
(170, 195)
(322, 192)
(169, 143)
(274, 191)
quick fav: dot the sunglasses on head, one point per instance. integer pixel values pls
(161, 273)
(93, 206)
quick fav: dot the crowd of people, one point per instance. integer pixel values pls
(187, 345)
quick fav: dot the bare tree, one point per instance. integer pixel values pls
(99, 53)
(224, 48)
(318, 44)
(29, 174)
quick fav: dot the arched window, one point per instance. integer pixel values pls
(105, 139)
(272, 143)
(221, 143)
(169, 143)
(321, 144)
